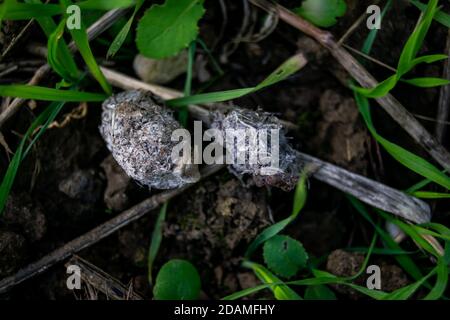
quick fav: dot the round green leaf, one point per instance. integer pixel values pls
(322, 13)
(177, 280)
(166, 29)
(284, 256)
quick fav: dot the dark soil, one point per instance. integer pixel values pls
(69, 183)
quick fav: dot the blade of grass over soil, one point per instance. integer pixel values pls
(299, 202)
(48, 94)
(156, 240)
(42, 121)
(288, 68)
(82, 42)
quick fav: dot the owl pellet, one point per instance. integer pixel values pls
(286, 173)
(137, 129)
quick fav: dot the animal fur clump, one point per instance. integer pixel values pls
(137, 129)
(285, 175)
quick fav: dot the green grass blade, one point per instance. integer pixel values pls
(14, 10)
(288, 68)
(416, 39)
(156, 240)
(105, 4)
(403, 260)
(439, 16)
(64, 56)
(368, 43)
(430, 195)
(269, 232)
(245, 292)
(48, 94)
(426, 82)
(44, 119)
(406, 158)
(81, 40)
(123, 33)
(441, 281)
(280, 290)
(54, 57)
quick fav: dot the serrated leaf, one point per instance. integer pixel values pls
(177, 280)
(322, 13)
(166, 29)
(284, 256)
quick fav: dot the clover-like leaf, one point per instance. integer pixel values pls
(322, 13)
(177, 280)
(166, 29)
(284, 256)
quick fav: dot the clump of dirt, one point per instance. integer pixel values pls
(213, 225)
(24, 215)
(117, 184)
(340, 133)
(82, 185)
(12, 251)
(345, 264)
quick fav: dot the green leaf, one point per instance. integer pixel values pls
(322, 13)
(299, 202)
(439, 16)
(54, 57)
(380, 90)
(403, 260)
(123, 33)
(430, 195)
(80, 38)
(63, 55)
(288, 68)
(368, 43)
(408, 58)
(14, 10)
(177, 280)
(427, 82)
(408, 159)
(319, 292)
(279, 289)
(441, 281)
(284, 256)
(406, 292)
(166, 29)
(156, 240)
(416, 39)
(105, 4)
(48, 94)
(43, 120)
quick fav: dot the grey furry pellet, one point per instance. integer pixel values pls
(137, 129)
(289, 167)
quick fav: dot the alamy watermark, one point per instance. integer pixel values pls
(249, 146)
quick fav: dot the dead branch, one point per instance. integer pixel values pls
(390, 104)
